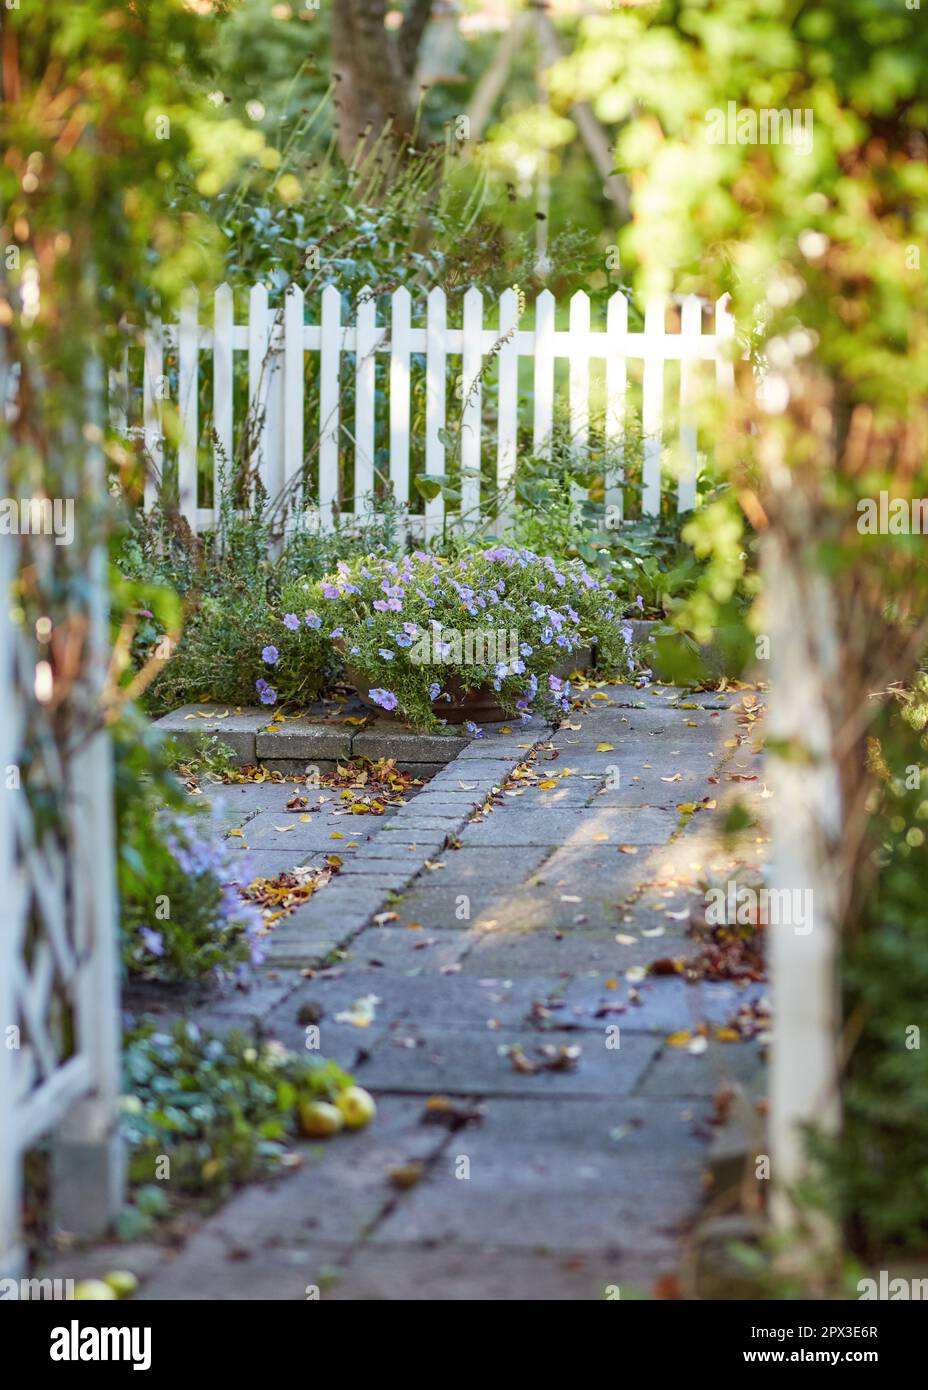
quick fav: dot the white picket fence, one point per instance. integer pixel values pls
(277, 342)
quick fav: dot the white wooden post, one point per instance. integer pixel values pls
(579, 385)
(725, 338)
(805, 830)
(545, 312)
(435, 358)
(294, 306)
(188, 406)
(223, 353)
(12, 1255)
(365, 394)
(400, 395)
(329, 422)
(690, 334)
(508, 395)
(472, 402)
(652, 410)
(88, 1160)
(616, 389)
(152, 410)
(258, 378)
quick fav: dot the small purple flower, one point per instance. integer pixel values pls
(260, 684)
(292, 622)
(313, 620)
(330, 591)
(434, 690)
(337, 632)
(639, 603)
(268, 695)
(270, 655)
(386, 653)
(474, 729)
(153, 941)
(384, 698)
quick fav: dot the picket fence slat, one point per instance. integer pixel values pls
(293, 385)
(152, 398)
(223, 398)
(365, 387)
(471, 402)
(616, 393)
(508, 395)
(435, 360)
(400, 395)
(276, 431)
(543, 423)
(187, 374)
(328, 403)
(690, 329)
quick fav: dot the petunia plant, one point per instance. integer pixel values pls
(419, 631)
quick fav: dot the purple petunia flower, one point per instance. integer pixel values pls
(268, 695)
(384, 698)
(434, 690)
(270, 655)
(292, 622)
(313, 620)
(152, 940)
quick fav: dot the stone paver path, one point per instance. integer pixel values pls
(521, 929)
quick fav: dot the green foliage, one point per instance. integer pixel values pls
(180, 913)
(221, 1109)
(877, 1177)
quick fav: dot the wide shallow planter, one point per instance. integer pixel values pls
(476, 706)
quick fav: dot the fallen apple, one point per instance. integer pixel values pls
(93, 1290)
(357, 1106)
(319, 1119)
(122, 1281)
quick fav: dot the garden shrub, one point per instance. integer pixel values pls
(180, 912)
(229, 582)
(388, 617)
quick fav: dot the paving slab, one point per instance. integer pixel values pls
(516, 824)
(412, 1273)
(674, 1073)
(630, 1188)
(473, 1064)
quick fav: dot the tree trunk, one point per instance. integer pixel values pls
(373, 67)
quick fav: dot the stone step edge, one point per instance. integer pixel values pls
(302, 743)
